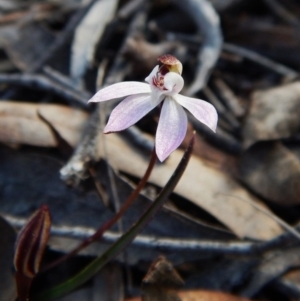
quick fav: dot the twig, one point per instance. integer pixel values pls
(229, 98)
(129, 8)
(208, 23)
(99, 233)
(36, 81)
(7, 6)
(283, 13)
(287, 284)
(86, 152)
(289, 73)
(253, 56)
(168, 244)
(222, 111)
(137, 138)
(60, 78)
(101, 191)
(62, 38)
(221, 139)
(272, 266)
(98, 263)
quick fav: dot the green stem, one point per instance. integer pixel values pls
(92, 268)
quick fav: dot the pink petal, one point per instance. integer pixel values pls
(156, 94)
(202, 110)
(149, 78)
(128, 112)
(173, 82)
(120, 90)
(171, 128)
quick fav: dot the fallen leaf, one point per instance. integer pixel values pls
(274, 114)
(161, 281)
(206, 187)
(26, 44)
(211, 154)
(19, 123)
(203, 295)
(162, 273)
(273, 171)
(40, 184)
(203, 185)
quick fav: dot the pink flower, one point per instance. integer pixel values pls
(164, 84)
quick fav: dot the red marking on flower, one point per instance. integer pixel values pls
(158, 81)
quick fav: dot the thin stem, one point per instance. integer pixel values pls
(99, 233)
(92, 268)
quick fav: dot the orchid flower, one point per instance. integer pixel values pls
(164, 84)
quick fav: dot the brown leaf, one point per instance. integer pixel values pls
(202, 295)
(161, 282)
(26, 44)
(161, 273)
(274, 114)
(19, 123)
(273, 171)
(31, 243)
(212, 155)
(203, 185)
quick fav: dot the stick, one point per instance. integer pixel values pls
(208, 24)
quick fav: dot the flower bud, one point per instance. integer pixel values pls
(30, 247)
(170, 63)
(31, 243)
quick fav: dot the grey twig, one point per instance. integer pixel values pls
(283, 13)
(287, 72)
(62, 38)
(86, 152)
(129, 8)
(221, 139)
(273, 265)
(208, 23)
(169, 244)
(229, 98)
(42, 82)
(222, 111)
(137, 138)
(253, 56)
(59, 77)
